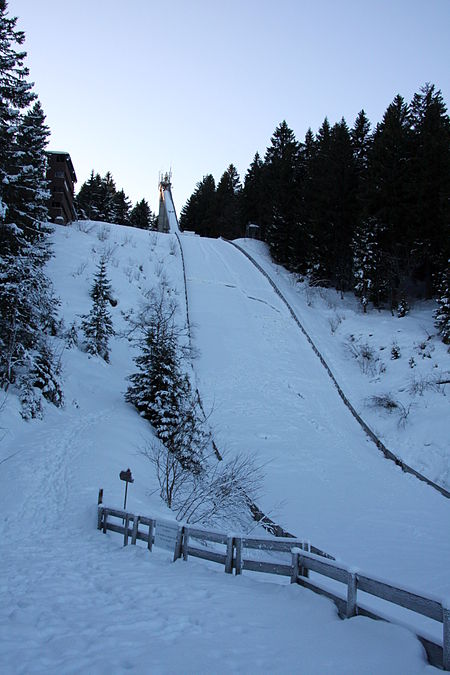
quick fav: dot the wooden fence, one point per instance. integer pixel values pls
(231, 551)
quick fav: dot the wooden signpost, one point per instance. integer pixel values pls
(128, 478)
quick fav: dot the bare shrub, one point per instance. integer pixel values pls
(71, 335)
(109, 251)
(421, 383)
(404, 411)
(424, 348)
(85, 226)
(103, 233)
(173, 247)
(132, 271)
(384, 401)
(314, 289)
(80, 269)
(153, 239)
(368, 361)
(221, 491)
(388, 403)
(335, 321)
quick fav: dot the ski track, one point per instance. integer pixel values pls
(331, 480)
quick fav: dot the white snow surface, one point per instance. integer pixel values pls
(171, 214)
(73, 600)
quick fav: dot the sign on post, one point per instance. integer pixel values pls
(166, 534)
(128, 478)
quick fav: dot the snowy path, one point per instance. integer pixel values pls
(271, 396)
(75, 601)
(92, 607)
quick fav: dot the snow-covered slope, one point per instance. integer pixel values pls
(171, 213)
(270, 395)
(396, 371)
(73, 600)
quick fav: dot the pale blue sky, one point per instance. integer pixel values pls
(138, 87)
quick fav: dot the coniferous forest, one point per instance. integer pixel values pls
(354, 208)
(99, 199)
(27, 303)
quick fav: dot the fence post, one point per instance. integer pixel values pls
(99, 518)
(352, 582)
(446, 635)
(125, 533)
(177, 551)
(105, 518)
(238, 560)
(229, 558)
(151, 530)
(185, 543)
(135, 529)
(295, 565)
(306, 548)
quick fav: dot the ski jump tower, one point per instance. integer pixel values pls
(167, 217)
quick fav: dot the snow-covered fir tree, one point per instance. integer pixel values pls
(160, 390)
(365, 262)
(141, 216)
(442, 313)
(27, 305)
(97, 325)
(28, 194)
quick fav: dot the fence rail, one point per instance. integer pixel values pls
(191, 541)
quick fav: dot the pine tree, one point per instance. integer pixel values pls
(228, 216)
(254, 197)
(97, 325)
(361, 141)
(107, 198)
(15, 96)
(304, 241)
(141, 216)
(27, 314)
(442, 313)
(366, 263)
(88, 199)
(98, 199)
(430, 238)
(199, 212)
(389, 195)
(282, 164)
(28, 194)
(27, 304)
(160, 390)
(121, 209)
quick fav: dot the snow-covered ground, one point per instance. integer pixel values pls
(400, 361)
(73, 600)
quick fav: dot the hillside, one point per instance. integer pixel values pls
(75, 601)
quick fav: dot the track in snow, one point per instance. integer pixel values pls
(271, 396)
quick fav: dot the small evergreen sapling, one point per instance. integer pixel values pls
(363, 264)
(97, 325)
(442, 313)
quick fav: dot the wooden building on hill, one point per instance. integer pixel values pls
(62, 178)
